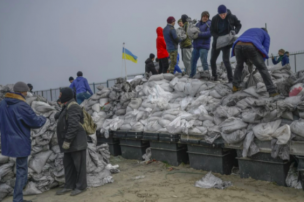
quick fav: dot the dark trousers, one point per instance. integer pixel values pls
(75, 170)
(246, 53)
(163, 65)
(226, 60)
(21, 178)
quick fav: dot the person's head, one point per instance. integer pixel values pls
(30, 86)
(281, 52)
(79, 73)
(152, 56)
(21, 87)
(287, 53)
(205, 16)
(222, 11)
(71, 79)
(180, 23)
(184, 18)
(264, 29)
(171, 20)
(66, 94)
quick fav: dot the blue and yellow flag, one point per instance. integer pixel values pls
(126, 54)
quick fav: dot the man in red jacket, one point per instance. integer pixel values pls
(162, 53)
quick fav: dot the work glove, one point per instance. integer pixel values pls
(66, 145)
(233, 32)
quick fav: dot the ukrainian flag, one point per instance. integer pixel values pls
(126, 54)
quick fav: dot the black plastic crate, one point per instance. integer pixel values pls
(301, 164)
(263, 167)
(101, 140)
(150, 136)
(172, 157)
(134, 135)
(131, 142)
(219, 142)
(167, 137)
(191, 139)
(115, 149)
(119, 134)
(133, 152)
(167, 145)
(217, 160)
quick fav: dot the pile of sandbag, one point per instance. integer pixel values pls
(46, 161)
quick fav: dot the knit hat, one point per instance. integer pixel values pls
(222, 9)
(79, 73)
(152, 56)
(20, 87)
(71, 78)
(184, 18)
(180, 20)
(170, 20)
(66, 95)
(205, 13)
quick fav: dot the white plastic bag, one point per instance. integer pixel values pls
(265, 131)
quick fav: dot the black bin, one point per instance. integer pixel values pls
(262, 166)
(134, 135)
(168, 137)
(133, 149)
(119, 134)
(150, 136)
(209, 158)
(113, 143)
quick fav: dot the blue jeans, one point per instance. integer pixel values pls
(80, 97)
(21, 178)
(199, 53)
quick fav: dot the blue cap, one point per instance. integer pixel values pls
(222, 9)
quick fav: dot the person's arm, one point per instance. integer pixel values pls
(274, 61)
(28, 116)
(285, 61)
(152, 68)
(72, 86)
(237, 25)
(74, 115)
(174, 36)
(87, 86)
(205, 34)
(213, 28)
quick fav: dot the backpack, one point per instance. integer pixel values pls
(88, 124)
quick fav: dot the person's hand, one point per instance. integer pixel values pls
(66, 145)
(232, 32)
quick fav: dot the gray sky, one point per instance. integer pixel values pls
(46, 41)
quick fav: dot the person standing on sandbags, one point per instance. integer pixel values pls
(253, 45)
(283, 58)
(201, 45)
(82, 88)
(150, 68)
(172, 42)
(162, 53)
(72, 140)
(16, 120)
(71, 80)
(186, 46)
(223, 24)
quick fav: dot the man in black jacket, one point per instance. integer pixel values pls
(72, 140)
(150, 68)
(222, 24)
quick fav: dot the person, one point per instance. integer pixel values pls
(283, 58)
(172, 41)
(201, 45)
(253, 46)
(30, 87)
(177, 68)
(162, 53)
(180, 23)
(186, 46)
(150, 68)
(71, 79)
(82, 88)
(156, 65)
(223, 24)
(16, 120)
(72, 140)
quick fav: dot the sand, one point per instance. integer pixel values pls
(162, 184)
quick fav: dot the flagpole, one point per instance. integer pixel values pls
(125, 61)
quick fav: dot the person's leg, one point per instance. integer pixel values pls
(79, 161)
(87, 95)
(70, 172)
(226, 60)
(165, 65)
(204, 56)
(240, 59)
(160, 66)
(195, 56)
(214, 55)
(79, 98)
(257, 59)
(173, 58)
(187, 53)
(21, 178)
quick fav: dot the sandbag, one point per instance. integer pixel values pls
(265, 131)
(232, 124)
(297, 127)
(38, 161)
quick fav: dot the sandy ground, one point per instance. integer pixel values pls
(161, 184)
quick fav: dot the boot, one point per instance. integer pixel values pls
(77, 191)
(235, 89)
(63, 191)
(273, 94)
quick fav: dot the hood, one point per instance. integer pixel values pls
(159, 31)
(149, 60)
(184, 18)
(79, 78)
(13, 98)
(229, 12)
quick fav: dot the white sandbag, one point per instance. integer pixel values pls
(96, 107)
(234, 137)
(156, 77)
(180, 86)
(138, 127)
(174, 82)
(297, 127)
(38, 161)
(41, 107)
(283, 134)
(185, 102)
(264, 131)
(168, 76)
(31, 189)
(125, 127)
(232, 124)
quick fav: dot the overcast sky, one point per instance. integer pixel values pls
(43, 42)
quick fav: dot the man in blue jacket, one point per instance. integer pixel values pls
(283, 58)
(253, 46)
(16, 120)
(201, 45)
(172, 42)
(82, 88)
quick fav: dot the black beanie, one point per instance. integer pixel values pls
(184, 18)
(66, 95)
(79, 73)
(152, 56)
(71, 78)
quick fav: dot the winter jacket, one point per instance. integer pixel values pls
(161, 44)
(204, 37)
(233, 21)
(187, 43)
(150, 66)
(16, 120)
(69, 128)
(171, 38)
(284, 60)
(258, 37)
(81, 84)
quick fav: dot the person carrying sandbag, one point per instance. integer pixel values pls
(186, 46)
(16, 120)
(253, 45)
